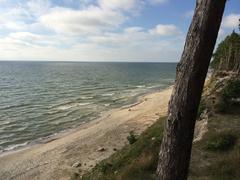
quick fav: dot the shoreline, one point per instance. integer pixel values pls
(135, 101)
(43, 140)
(54, 158)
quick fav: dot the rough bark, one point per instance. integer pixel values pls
(176, 146)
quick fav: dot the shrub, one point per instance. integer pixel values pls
(229, 93)
(134, 162)
(232, 90)
(105, 167)
(201, 108)
(221, 142)
(132, 137)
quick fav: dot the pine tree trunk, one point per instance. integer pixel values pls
(176, 146)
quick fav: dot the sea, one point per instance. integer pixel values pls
(41, 99)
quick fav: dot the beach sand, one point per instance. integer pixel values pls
(85, 146)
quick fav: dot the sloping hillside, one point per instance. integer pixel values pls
(216, 147)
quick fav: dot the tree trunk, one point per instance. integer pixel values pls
(176, 146)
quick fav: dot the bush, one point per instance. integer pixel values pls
(229, 93)
(134, 162)
(232, 90)
(221, 142)
(201, 108)
(105, 167)
(132, 137)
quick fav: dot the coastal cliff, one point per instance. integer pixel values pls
(216, 147)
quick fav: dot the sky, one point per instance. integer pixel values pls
(100, 30)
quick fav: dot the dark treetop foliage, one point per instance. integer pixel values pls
(227, 55)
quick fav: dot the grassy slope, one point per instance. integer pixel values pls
(136, 161)
(216, 156)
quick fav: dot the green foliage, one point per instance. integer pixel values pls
(131, 138)
(105, 167)
(228, 96)
(232, 90)
(221, 142)
(225, 168)
(202, 107)
(216, 156)
(227, 51)
(134, 162)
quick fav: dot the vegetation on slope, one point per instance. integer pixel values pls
(227, 55)
(216, 155)
(136, 161)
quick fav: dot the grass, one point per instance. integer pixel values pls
(215, 157)
(222, 141)
(202, 107)
(226, 168)
(136, 161)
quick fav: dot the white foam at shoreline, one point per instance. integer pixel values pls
(69, 106)
(16, 146)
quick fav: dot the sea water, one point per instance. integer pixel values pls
(40, 99)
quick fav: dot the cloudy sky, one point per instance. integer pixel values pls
(99, 30)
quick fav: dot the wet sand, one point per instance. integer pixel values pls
(85, 146)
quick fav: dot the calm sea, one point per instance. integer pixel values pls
(40, 99)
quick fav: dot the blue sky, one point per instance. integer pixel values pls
(100, 30)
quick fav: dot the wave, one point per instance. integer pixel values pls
(108, 94)
(16, 146)
(65, 107)
(5, 136)
(84, 104)
(140, 86)
(72, 105)
(14, 106)
(70, 112)
(86, 97)
(4, 123)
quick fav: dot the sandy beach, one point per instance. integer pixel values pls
(85, 146)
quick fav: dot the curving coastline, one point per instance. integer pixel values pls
(54, 158)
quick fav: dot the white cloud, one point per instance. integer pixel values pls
(221, 32)
(131, 36)
(38, 7)
(30, 39)
(89, 52)
(131, 44)
(165, 30)
(135, 29)
(158, 1)
(2, 1)
(13, 15)
(13, 19)
(118, 4)
(84, 51)
(25, 36)
(231, 21)
(80, 22)
(134, 37)
(39, 30)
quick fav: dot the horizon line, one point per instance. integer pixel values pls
(89, 61)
